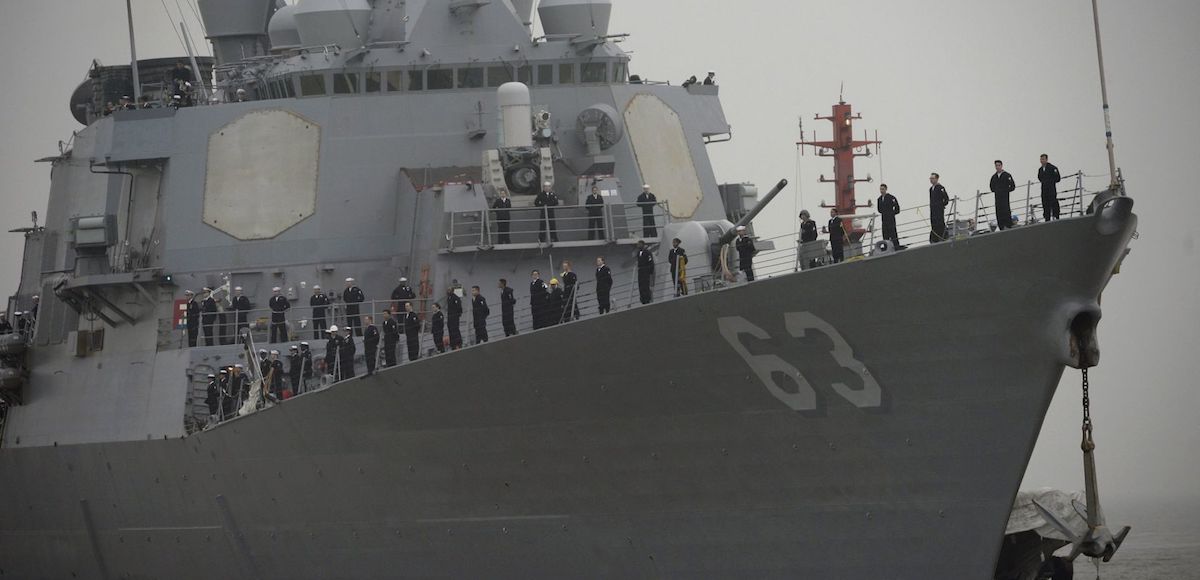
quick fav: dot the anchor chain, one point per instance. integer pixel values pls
(1087, 444)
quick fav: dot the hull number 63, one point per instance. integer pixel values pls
(802, 397)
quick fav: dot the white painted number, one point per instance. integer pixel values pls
(804, 398)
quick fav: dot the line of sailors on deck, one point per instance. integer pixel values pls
(1001, 185)
(547, 200)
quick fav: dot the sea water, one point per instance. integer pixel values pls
(1164, 543)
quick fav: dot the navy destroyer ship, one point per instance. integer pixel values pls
(745, 430)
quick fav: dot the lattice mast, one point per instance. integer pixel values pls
(843, 148)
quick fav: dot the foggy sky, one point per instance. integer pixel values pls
(950, 85)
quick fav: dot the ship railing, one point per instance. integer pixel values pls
(965, 217)
(573, 225)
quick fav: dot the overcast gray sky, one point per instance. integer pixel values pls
(949, 84)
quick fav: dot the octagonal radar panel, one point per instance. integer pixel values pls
(261, 177)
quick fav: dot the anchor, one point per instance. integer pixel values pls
(1099, 542)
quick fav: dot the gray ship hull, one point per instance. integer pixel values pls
(645, 443)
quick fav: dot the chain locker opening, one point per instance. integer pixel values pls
(1084, 349)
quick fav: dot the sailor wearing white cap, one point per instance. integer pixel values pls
(647, 201)
(241, 95)
(319, 303)
(402, 294)
(547, 200)
(353, 296)
(241, 307)
(746, 250)
(208, 315)
(332, 348)
(306, 367)
(279, 305)
(192, 317)
(213, 397)
(711, 79)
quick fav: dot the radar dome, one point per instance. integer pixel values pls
(329, 22)
(575, 17)
(284, 33)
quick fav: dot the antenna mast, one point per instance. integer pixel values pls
(1112, 160)
(843, 149)
(137, 83)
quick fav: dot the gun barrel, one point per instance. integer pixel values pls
(762, 204)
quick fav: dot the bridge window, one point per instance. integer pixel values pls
(441, 79)
(416, 81)
(498, 75)
(470, 78)
(595, 72)
(525, 75)
(345, 83)
(618, 72)
(566, 73)
(374, 82)
(545, 74)
(312, 85)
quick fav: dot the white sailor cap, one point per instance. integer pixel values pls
(189, 292)
(645, 186)
(237, 288)
(273, 351)
(276, 289)
(212, 376)
(548, 184)
(333, 328)
(262, 351)
(222, 371)
(295, 347)
(712, 72)
(35, 297)
(177, 97)
(403, 279)
(239, 366)
(349, 279)
(741, 228)
(304, 344)
(241, 91)
(316, 287)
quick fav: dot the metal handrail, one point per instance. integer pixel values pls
(621, 221)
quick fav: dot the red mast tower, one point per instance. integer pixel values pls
(843, 149)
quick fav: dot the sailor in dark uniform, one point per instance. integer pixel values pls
(744, 245)
(412, 332)
(241, 308)
(711, 79)
(437, 328)
(645, 273)
(1002, 185)
(295, 367)
(370, 344)
(837, 235)
(279, 305)
(212, 398)
(353, 296)
(479, 314)
(546, 200)
(208, 316)
(346, 352)
(677, 258)
(229, 399)
(391, 337)
(275, 374)
(454, 310)
(508, 303)
(595, 212)
(604, 282)
(808, 227)
(537, 299)
(192, 317)
(306, 367)
(333, 349)
(938, 200)
(5, 325)
(319, 302)
(503, 207)
(239, 389)
(888, 207)
(554, 304)
(647, 201)
(1049, 177)
(401, 294)
(570, 281)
